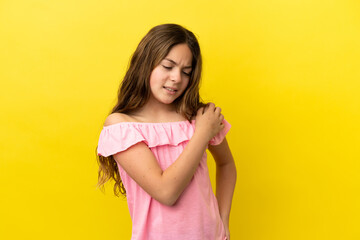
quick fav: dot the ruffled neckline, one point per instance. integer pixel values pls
(150, 123)
(120, 136)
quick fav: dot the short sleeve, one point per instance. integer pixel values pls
(221, 135)
(117, 138)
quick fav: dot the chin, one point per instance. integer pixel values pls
(168, 102)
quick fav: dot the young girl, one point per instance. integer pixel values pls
(153, 144)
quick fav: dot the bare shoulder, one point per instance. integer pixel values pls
(117, 118)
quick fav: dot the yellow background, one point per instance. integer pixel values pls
(286, 74)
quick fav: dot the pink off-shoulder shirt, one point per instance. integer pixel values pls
(195, 215)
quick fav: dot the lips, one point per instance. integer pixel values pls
(170, 89)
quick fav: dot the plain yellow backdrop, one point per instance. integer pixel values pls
(286, 74)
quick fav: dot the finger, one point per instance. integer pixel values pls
(217, 110)
(200, 111)
(211, 106)
(221, 118)
(205, 107)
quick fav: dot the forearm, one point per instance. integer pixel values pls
(225, 185)
(176, 177)
(163, 185)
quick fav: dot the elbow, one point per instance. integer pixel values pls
(168, 202)
(168, 198)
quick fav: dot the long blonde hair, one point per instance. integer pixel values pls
(134, 91)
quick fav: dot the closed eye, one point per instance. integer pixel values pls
(167, 67)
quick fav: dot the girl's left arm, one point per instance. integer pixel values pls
(225, 179)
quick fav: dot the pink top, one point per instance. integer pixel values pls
(195, 215)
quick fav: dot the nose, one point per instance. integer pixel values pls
(176, 75)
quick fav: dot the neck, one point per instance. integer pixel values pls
(154, 111)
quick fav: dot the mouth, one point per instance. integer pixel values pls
(170, 89)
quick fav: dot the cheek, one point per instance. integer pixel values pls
(151, 82)
(155, 77)
(186, 83)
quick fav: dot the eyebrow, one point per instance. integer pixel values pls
(176, 63)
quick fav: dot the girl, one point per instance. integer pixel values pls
(153, 144)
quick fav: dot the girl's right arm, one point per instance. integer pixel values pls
(166, 186)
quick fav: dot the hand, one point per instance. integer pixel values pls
(227, 231)
(209, 121)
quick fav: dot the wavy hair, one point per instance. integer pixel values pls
(134, 91)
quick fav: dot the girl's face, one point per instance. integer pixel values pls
(170, 78)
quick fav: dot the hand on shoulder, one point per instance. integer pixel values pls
(209, 120)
